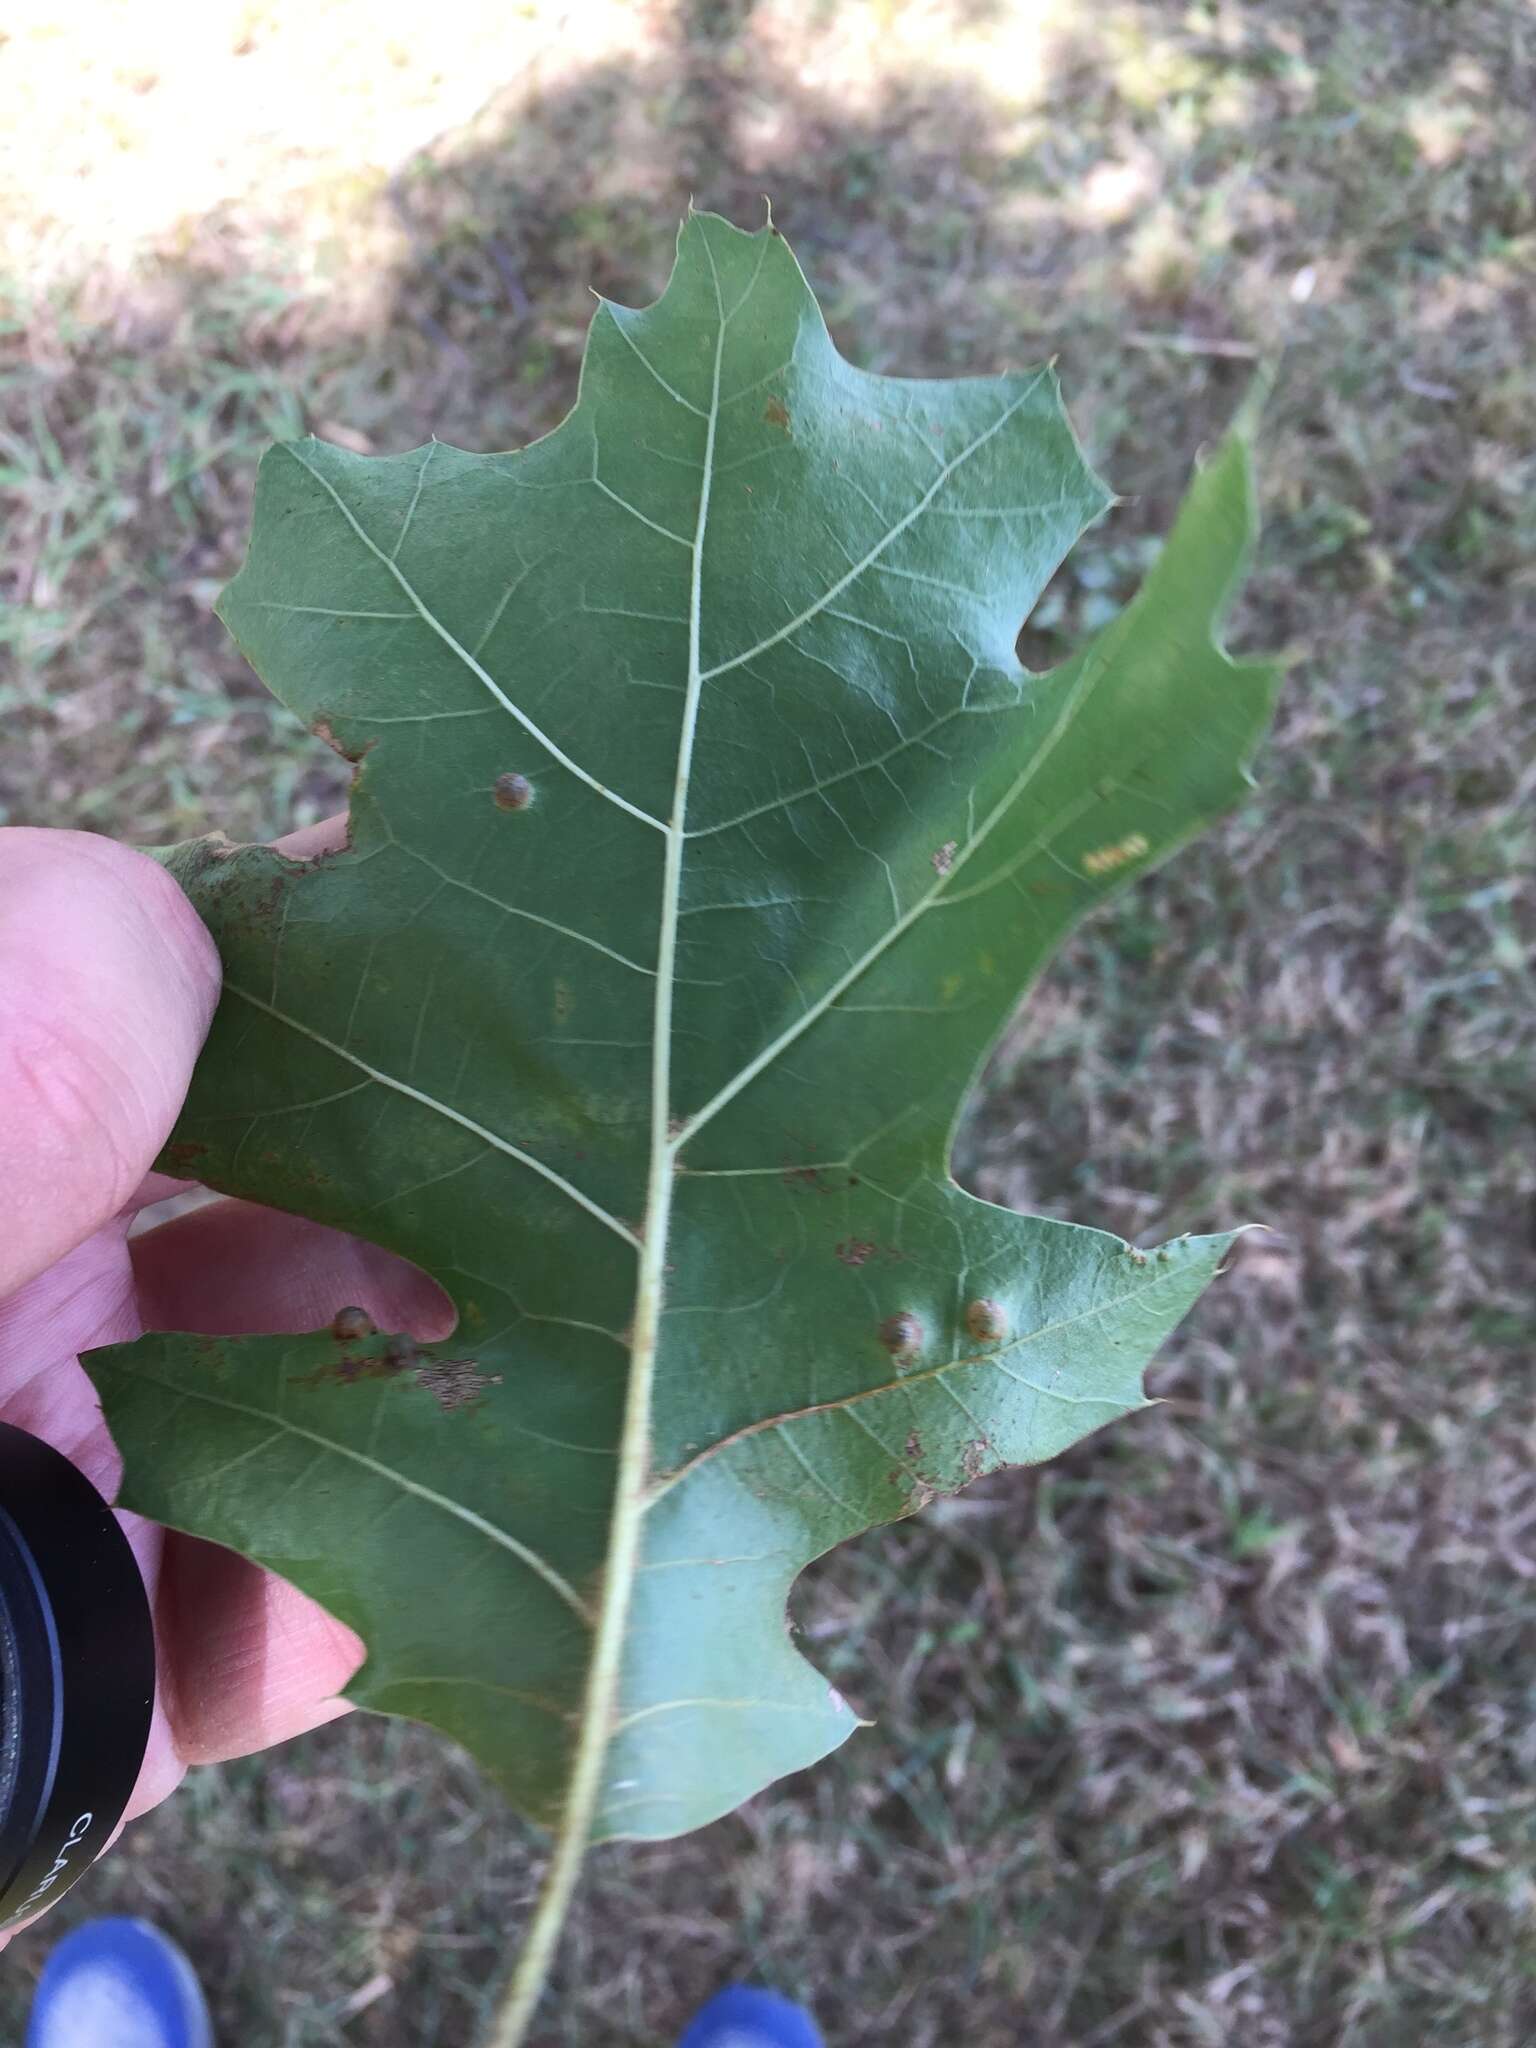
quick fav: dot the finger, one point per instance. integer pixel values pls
(157, 1187)
(233, 1268)
(107, 983)
(246, 1659)
(82, 1300)
(310, 841)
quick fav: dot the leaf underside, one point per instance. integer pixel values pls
(706, 832)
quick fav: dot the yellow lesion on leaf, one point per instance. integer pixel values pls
(1105, 859)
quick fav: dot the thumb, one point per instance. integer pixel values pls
(107, 983)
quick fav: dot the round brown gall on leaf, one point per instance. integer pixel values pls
(512, 792)
(986, 1320)
(902, 1335)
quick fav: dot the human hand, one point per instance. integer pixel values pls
(107, 984)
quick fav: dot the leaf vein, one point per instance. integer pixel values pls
(444, 1109)
(430, 619)
(912, 1381)
(872, 556)
(540, 1566)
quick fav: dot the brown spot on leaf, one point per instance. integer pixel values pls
(324, 730)
(268, 904)
(855, 1251)
(974, 1458)
(513, 792)
(398, 1354)
(902, 1335)
(776, 414)
(455, 1382)
(812, 1177)
(986, 1320)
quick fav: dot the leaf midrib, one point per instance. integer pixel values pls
(601, 1694)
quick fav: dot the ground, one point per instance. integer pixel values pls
(1220, 1728)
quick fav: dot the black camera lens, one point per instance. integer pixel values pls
(77, 1674)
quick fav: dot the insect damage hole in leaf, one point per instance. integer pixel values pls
(633, 1079)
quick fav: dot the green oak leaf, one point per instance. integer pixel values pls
(705, 833)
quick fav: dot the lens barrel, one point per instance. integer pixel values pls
(77, 1674)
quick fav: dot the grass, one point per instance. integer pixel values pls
(1220, 1728)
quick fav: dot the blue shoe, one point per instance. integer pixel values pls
(118, 1984)
(740, 2018)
